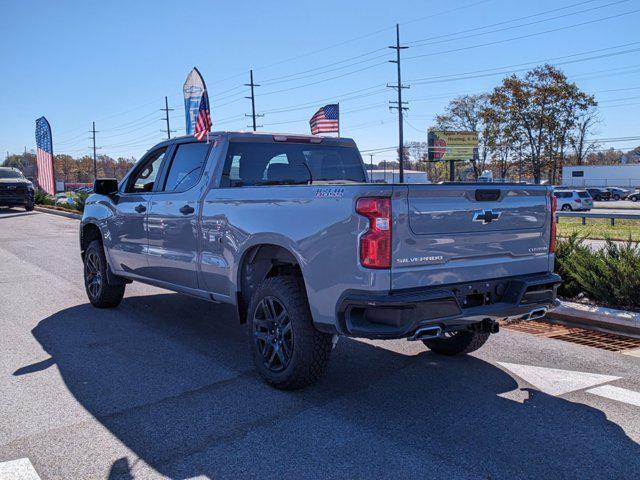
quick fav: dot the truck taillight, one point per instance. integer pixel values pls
(552, 240)
(375, 244)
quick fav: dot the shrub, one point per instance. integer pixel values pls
(43, 198)
(610, 276)
(80, 200)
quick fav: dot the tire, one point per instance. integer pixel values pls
(634, 199)
(459, 343)
(100, 293)
(29, 207)
(288, 351)
(566, 207)
(616, 197)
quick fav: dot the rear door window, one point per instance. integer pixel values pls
(186, 166)
(584, 195)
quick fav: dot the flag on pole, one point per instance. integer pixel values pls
(203, 120)
(192, 89)
(44, 156)
(326, 120)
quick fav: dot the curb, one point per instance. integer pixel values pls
(60, 213)
(592, 317)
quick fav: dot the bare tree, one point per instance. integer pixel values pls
(585, 126)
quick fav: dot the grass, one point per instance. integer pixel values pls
(600, 228)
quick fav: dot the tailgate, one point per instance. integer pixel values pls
(455, 233)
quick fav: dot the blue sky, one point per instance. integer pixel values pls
(113, 62)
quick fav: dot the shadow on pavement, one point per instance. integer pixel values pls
(171, 378)
(10, 212)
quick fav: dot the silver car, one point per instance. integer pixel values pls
(573, 200)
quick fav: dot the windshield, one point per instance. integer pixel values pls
(10, 174)
(253, 163)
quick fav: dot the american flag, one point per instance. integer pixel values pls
(44, 156)
(203, 121)
(325, 120)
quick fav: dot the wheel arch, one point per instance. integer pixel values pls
(260, 261)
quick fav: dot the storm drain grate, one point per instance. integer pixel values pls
(581, 336)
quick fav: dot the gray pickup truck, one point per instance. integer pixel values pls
(287, 229)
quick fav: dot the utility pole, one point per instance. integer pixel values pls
(370, 165)
(95, 160)
(399, 104)
(166, 111)
(253, 101)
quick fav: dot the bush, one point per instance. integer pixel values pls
(79, 200)
(43, 198)
(610, 276)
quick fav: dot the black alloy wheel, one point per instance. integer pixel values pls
(273, 334)
(93, 276)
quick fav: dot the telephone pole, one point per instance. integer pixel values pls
(399, 104)
(166, 111)
(253, 101)
(95, 160)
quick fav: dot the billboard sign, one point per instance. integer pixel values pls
(455, 146)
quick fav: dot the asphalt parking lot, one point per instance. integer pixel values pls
(163, 387)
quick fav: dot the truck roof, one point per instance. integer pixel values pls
(271, 135)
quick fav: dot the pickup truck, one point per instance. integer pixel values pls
(287, 229)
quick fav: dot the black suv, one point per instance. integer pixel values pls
(599, 194)
(15, 189)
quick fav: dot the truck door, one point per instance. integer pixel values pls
(173, 217)
(128, 226)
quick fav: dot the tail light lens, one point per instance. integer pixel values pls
(375, 244)
(552, 240)
(578, 200)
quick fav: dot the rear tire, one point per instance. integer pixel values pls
(459, 343)
(288, 351)
(100, 293)
(566, 207)
(616, 197)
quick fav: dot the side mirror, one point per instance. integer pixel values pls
(105, 186)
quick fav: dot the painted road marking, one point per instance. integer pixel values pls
(21, 469)
(554, 381)
(617, 393)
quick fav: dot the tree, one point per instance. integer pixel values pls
(585, 126)
(465, 113)
(543, 108)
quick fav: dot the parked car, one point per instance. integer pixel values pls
(573, 200)
(634, 197)
(599, 194)
(15, 189)
(287, 229)
(618, 193)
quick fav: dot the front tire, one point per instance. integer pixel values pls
(29, 207)
(458, 343)
(100, 293)
(288, 351)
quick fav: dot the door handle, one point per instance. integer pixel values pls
(187, 210)
(140, 208)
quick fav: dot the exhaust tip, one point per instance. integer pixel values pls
(426, 333)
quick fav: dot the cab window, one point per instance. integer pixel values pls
(144, 177)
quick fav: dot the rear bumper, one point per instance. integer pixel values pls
(451, 307)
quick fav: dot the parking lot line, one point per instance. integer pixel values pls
(617, 393)
(20, 469)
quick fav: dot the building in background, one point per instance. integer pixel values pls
(602, 176)
(393, 176)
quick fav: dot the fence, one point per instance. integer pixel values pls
(612, 216)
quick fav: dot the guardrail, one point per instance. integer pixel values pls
(585, 215)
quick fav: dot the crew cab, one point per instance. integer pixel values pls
(288, 229)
